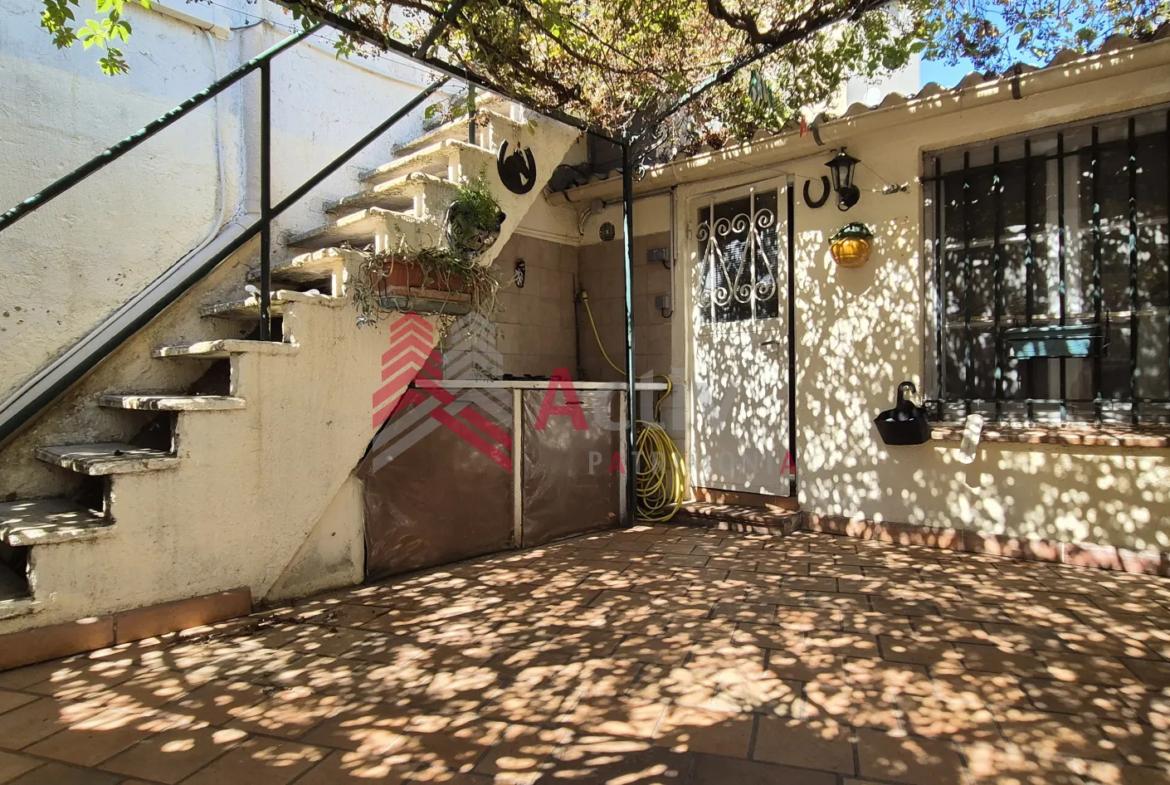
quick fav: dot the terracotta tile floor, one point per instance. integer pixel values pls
(658, 654)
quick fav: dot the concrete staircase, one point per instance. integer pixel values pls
(226, 482)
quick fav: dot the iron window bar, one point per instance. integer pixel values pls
(1058, 131)
(1116, 267)
(1061, 263)
(1095, 190)
(968, 355)
(1029, 260)
(1131, 166)
(997, 279)
(940, 296)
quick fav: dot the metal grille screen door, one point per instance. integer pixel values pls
(739, 280)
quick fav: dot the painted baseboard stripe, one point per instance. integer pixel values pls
(39, 644)
(1103, 557)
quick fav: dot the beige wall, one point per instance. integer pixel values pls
(860, 332)
(534, 329)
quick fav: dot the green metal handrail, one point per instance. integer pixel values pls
(15, 415)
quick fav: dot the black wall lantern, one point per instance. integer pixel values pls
(842, 168)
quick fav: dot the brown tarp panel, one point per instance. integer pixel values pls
(568, 487)
(433, 496)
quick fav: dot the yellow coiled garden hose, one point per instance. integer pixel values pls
(661, 478)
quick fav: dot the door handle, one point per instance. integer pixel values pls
(770, 343)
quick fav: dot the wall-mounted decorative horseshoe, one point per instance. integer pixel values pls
(826, 187)
(518, 170)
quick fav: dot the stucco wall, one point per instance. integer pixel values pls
(860, 332)
(75, 261)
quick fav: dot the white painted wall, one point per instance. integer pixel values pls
(73, 262)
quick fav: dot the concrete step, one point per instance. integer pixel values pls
(249, 307)
(171, 403)
(416, 194)
(739, 518)
(311, 267)
(49, 521)
(221, 349)
(450, 159)
(362, 228)
(107, 458)
(491, 128)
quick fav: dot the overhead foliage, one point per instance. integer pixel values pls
(994, 34)
(738, 65)
(106, 31)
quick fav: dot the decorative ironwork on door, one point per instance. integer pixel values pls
(739, 259)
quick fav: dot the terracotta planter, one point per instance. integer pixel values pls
(403, 276)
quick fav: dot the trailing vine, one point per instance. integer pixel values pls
(472, 225)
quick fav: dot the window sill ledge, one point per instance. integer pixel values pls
(1149, 437)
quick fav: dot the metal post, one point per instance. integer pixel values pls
(628, 510)
(631, 400)
(517, 468)
(471, 113)
(794, 480)
(265, 202)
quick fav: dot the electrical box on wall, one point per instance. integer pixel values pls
(662, 302)
(659, 255)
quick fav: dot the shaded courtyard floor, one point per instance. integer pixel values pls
(656, 654)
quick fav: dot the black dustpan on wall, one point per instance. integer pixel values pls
(906, 423)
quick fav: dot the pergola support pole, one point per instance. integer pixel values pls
(631, 380)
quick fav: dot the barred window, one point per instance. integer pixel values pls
(1050, 274)
(739, 247)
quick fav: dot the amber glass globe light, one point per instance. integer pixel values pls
(851, 244)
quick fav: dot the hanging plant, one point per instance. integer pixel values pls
(851, 244)
(431, 274)
(473, 219)
(451, 275)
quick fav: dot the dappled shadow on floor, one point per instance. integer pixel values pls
(656, 654)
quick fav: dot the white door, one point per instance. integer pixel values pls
(739, 422)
